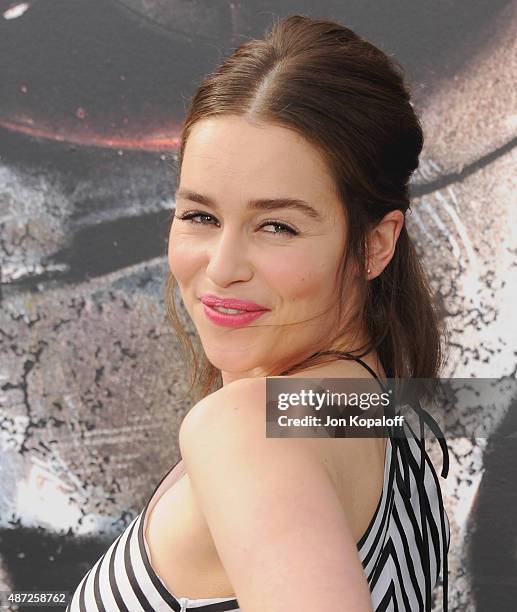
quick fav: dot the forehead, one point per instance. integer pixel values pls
(232, 156)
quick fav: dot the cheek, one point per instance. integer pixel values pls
(303, 276)
(182, 256)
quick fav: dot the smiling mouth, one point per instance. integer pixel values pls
(230, 310)
(231, 317)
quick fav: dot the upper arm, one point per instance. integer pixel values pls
(271, 508)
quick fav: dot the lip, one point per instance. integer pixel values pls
(232, 320)
(214, 300)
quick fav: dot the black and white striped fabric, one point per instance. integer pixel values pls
(401, 570)
(401, 560)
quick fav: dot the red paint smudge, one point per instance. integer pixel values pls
(149, 142)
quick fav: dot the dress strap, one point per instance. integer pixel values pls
(358, 359)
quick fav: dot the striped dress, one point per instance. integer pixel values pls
(401, 561)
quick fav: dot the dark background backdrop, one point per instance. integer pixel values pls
(92, 97)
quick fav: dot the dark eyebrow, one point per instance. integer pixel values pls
(260, 204)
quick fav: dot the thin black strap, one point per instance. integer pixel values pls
(359, 360)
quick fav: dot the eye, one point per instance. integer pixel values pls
(284, 229)
(193, 215)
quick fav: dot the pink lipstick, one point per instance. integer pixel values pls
(231, 312)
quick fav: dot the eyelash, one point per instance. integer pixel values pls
(286, 229)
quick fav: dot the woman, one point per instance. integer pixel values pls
(292, 188)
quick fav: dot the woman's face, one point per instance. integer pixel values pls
(284, 258)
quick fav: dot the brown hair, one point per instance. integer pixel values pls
(349, 100)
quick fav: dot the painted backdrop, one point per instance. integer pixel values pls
(92, 96)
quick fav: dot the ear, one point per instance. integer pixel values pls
(382, 241)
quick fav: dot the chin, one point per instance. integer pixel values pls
(233, 362)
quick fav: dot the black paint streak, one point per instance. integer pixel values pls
(492, 530)
(61, 560)
(417, 191)
(100, 249)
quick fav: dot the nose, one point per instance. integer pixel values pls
(228, 260)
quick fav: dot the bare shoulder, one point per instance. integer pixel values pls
(260, 498)
(235, 403)
(233, 415)
(236, 415)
